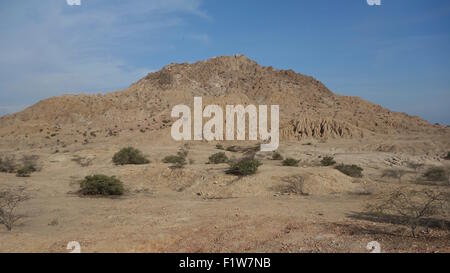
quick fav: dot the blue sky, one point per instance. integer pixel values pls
(396, 54)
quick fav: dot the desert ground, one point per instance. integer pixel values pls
(200, 208)
(400, 200)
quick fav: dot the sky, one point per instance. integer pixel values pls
(396, 54)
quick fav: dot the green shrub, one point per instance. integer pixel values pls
(218, 158)
(178, 161)
(435, 174)
(244, 167)
(128, 156)
(350, 170)
(101, 185)
(220, 147)
(7, 165)
(291, 162)
(328, 161)
(277, 156)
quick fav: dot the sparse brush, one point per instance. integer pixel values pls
(350, 170)
(277, 156)
(435, 174)
(244, 167)
(291, 162)
(101, 185)
(413, 207)
(9, 201)
(218, 158)
(328, 161)
(129, 156)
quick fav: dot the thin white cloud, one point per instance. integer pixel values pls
(49, 48)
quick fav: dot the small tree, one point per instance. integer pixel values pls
(101, 185)
(414, 206)
(9, 202)
(328, 161)
(291, 162)
(129, 155)
(218, 158)
(350, 170)
(244, 167)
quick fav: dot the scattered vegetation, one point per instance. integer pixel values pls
(9, 202)
(394, 173)
(244, 167)
(350, 170)
(130, 156)
(101, 185)
(291, 162)
(7, 165)
(277, 156)
(218, 158)
(436, 174)
(328, 161)
(413, 207)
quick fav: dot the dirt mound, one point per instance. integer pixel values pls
(307, 108)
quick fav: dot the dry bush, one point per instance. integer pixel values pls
(350, 170)
(218, 158)
(101, 185)
(220, 147)
(414, 207)
(244, 167)
(328, 161)
(130, 156)
(277, 156)
(7, 165)
(291, 162)
(436, 174)
(9, 202)
(178, 161)
(394, 173)
(294, 185)
(29, 166)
